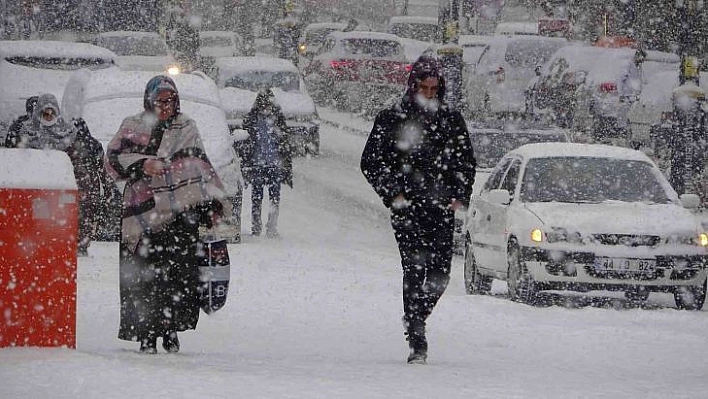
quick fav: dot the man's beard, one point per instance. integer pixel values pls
(427, 105)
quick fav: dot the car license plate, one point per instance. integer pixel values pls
(603, 264)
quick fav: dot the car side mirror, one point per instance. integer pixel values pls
(580, 77)
(538, 69)
(239, 135)
(499, 196)
(690, 201)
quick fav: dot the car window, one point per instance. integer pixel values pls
(317, 36)
(491, 146)
(591, 180)
(259, 80)
(60, 63)
(528, 53)
(216, 41)
(497, 174)
(372, 47)
(128, 45)
(512, 176)
(422, 32)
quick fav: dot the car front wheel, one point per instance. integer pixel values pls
(475, 283)
(690, 298)
(522, 286)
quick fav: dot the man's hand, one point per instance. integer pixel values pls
(154, 167)
(456, 205)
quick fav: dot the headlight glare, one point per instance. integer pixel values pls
(703, 239)
(537, 235)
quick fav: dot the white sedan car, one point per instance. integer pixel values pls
(562, 216)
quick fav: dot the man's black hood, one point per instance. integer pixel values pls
(424, 67)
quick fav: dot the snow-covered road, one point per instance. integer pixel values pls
(316, 313)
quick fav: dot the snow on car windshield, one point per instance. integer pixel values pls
(216, 41)
(127, 45)
(586, 179)
(259, 80)
(372, 47)
(490, 147)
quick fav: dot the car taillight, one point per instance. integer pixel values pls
(608, 87)
(338, 64)
(409, 67)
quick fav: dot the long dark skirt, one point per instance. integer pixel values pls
(159, 283)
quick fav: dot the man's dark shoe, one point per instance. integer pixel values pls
(170, 342)
(148, 345)
(415, 335)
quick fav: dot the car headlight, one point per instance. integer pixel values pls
(302, 48)
(174, 70)
(700, 240)
(537, 235)
(559, 234)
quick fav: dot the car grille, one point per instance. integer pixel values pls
(627, 240)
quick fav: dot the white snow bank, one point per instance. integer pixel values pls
(36, 169)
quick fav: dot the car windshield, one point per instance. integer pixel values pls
(528, 53)
(422, 32)
(60, 63)
(259, 80)
(490, 147)
(372, 47)
(586, 179)
(216, 41)
(315, 37)
(129, 45)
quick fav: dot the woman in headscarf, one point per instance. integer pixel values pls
(171, 189)
(267, 159)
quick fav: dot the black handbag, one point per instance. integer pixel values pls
(214, 273)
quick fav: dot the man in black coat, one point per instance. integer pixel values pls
(13, 133)
(419, 160)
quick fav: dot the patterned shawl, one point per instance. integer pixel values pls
(150, 203)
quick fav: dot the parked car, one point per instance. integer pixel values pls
(241, 78)
(314, 35)
(490, 145)
(215, 44)
(104, 98)
(424, 29)
(137, 51)
(358, 70)
(29, 68)
(564, 216)
(592, 88)
(497, 84)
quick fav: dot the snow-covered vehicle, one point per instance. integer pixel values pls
(314, 35)
(593, 88)
(424, 29)
(29, 68)
(498, 82)
(216, 44)
(490, 144)
(241, 78)
(137, 51)
(358, 70)
(564, 216)
(104, 98)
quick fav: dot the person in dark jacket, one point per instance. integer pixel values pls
(419, 160)
(171, 190)
(267, 159)
(48, 130)
(13, 133)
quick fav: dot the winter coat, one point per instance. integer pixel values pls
(284, 174)
(13, 133)
(426, 156)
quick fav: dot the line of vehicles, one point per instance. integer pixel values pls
(546, 213)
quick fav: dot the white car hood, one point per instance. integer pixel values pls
(616, 217)
(237, 102)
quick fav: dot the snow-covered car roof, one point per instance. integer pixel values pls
(217, 33)
(325, 25)
(43, 48)
(128, 33)
(601, 63)
(236, 65)
(546, 150)
(238, 102)
(364, 35)
(412, 19)
(516, 28)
